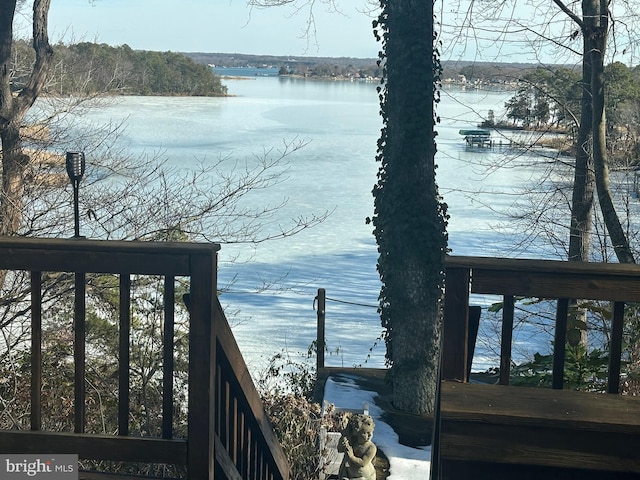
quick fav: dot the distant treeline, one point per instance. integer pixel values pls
(480, 72)
(90, 68)
(321, 67)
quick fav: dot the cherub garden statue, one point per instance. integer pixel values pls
(359, 450)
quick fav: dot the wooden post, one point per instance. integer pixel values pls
(456, 324)
(322, 302)
(202, 368)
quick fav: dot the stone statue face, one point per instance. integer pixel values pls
(361, 428)
(362, 437)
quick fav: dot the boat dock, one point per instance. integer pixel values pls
(477, 137)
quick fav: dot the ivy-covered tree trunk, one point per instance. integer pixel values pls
(409, 219)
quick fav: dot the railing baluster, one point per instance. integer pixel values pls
(124, 354)
(225, 434)
(560, 340)
(219, 407)
(265, 466)
(79, 352)
(250, 463)
(240, 441)
(244, 447)
(36, 351)
(233, 420)
(507, 337)
(256, 460)
(167, 353)
(615, 348)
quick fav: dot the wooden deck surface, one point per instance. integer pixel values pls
(530, 406)
(497, 425)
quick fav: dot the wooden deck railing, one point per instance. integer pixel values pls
(548, 279)
(228, 435)
(503, 432)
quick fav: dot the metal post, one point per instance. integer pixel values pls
(76, 209)
(322, 300)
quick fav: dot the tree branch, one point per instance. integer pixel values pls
(6, 38)
(569, 13)
(44, 56)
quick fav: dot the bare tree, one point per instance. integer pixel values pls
(14, 106)
(584, 175)
(497, 24)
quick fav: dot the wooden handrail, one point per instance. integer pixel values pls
(241, 423)
(228, 431)
(550, 279)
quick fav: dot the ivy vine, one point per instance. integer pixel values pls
(410, 217)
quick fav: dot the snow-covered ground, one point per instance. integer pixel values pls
(406, 463)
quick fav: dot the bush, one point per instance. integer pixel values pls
(582, 371)
(296, 422)
(287, 388)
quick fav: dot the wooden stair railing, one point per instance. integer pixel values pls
(498, 431)
(228, 435)
(245, 444)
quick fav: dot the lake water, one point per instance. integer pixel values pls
(271, 286)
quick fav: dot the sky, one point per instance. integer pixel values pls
(227, 26)
(514, 31)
